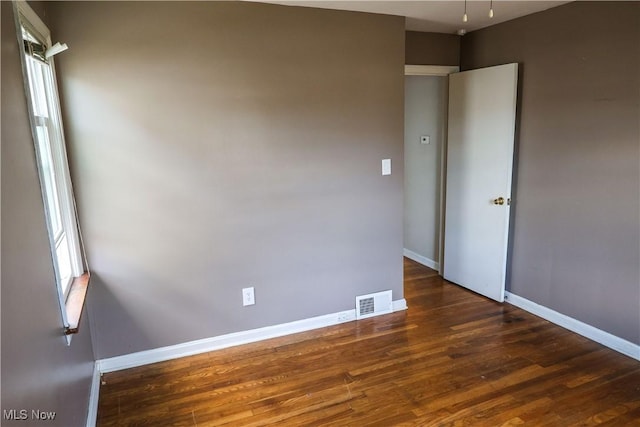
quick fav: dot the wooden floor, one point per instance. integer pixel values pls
(453, 359)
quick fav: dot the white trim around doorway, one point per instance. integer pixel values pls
(430, 70)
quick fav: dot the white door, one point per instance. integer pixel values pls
(482, 111)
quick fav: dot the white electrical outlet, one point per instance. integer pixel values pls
(248, 296)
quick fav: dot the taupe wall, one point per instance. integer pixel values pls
(431, 48)
(39, 371)
(220, 145)
(576, 237)
(425, 105)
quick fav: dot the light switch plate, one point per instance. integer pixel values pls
(386, 166)
(248, 296)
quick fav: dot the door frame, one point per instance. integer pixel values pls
(438, 71)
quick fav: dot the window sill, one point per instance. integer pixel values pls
(75, 303)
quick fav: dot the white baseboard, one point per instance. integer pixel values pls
(399, 305)
(605, 338)
(92, 414)
(229, 340)
(421, 259)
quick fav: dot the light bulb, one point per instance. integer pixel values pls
(490, 13)
(464, 17)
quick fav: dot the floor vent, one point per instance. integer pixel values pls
(374, 304)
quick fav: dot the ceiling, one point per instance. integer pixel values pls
(435, 16)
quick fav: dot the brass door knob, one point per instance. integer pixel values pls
(498, 201)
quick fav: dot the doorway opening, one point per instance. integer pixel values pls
(470, 119)
(426, 95)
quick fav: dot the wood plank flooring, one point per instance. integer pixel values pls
(453, 359)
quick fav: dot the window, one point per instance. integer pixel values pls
(55, 182)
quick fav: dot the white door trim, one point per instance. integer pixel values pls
(430, 70)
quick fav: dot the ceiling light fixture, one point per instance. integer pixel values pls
(464, 17)
(491, 9)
